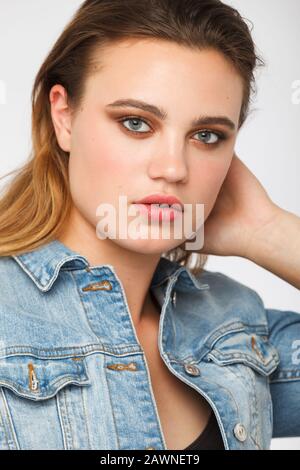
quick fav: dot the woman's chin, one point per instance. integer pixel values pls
(148, 246)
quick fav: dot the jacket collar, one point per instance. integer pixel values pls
(43, 265)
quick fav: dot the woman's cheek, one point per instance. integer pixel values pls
(208, 183)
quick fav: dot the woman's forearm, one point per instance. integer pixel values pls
(277, 247)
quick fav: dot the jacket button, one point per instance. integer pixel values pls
(174, 299)
(101, 285)
(150, 448)
(240, 432)
(191, 369)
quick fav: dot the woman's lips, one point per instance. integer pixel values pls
(156, 213)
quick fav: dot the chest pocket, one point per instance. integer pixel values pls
(251, 349)
(41, 403)
(40, 379)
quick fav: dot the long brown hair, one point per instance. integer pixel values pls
(36, 203)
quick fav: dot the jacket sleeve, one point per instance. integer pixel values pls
(284, 334)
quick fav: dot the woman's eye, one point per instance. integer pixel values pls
(209, 137)
(135, 124)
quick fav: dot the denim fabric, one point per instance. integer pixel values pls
(73, 374)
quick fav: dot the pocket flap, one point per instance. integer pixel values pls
(249, 348)
(39, 379)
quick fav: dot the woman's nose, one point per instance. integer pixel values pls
(171, 166)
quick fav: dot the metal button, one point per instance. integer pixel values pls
(101, 285)
(118, 366)
(174, 298)
(240, 432)
(255, 348)
(33, 381)
(150, 448)
(191, 369)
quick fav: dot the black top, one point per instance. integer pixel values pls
(210, 438)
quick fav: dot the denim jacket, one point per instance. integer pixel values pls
(73, 374)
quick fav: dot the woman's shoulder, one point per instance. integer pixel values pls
(9, 274)
(16, 286)
(223, 286)
(229, 300)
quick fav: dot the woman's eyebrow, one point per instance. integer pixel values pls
(162, 114)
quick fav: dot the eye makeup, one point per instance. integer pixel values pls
(221, 136)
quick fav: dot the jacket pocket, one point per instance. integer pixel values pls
(39, 379)
(41, 402)
(252, 349)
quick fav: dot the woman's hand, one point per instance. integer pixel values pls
(241, 212)
(245, 222)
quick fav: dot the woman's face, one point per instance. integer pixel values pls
(151, 154)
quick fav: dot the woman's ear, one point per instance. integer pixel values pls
(61, 116)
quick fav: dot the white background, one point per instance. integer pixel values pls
(268, 143)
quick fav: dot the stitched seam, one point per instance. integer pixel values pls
(9, 418)
(85, 417)
(284, 379)
(4, 429)
(111, 405)
(75, 351)
(65, 397)
(61, 422)
(254, 388)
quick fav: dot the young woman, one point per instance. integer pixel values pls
(117, 342)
